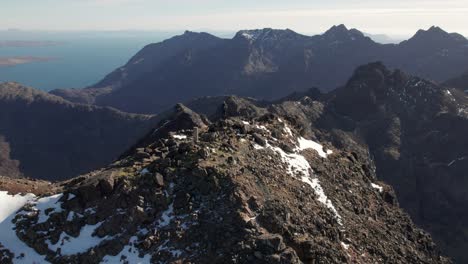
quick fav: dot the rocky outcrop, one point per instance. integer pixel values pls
(251, 187)
(7, 165)
(414, 130)
(460, 82)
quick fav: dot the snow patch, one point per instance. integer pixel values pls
(257, 146)
(129, 254)
(378, 187)
(71, 215)
(287, 130)
(73, 245)
(9, 205)
(310, 144)
(179, 136)
(167, 216)
(50, 204)
(344, 245)
(261, 127)
(299, 166)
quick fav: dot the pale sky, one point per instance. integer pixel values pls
(392, 17)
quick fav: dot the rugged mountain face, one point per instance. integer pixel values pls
(433, 54)
(46, 137)
(460, 82)
(7, 165)
(265, 64)
(416, 134)
(146, 61)
(251, 186)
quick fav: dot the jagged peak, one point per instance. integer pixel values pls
(193, 34)
(265, 34)
(342, 33)
(437, 34)
(337, 29)
(238, 106)
(432, 31)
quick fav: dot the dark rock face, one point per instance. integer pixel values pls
(264, 64)
(46, 137)
(226, 199)
(460, 82)
(415, 131)
(7, 165)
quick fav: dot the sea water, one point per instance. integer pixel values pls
(76, 62)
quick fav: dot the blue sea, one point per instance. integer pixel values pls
(80, 60)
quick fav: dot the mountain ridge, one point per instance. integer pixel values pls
(250, 186)
(49, 136)
(265, 64)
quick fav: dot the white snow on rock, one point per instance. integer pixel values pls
(376, 186)
(310, 144)
(245, 123)
(71, 196)
(167, 216)
(257, 146)
(71, 215)
(174, 252)
(344, 245)
(73, 245)
(248, 35)
(299, 166)
(47, 203)
(129, 254)
(9, 205)
(287, 130)
(179, 136)
(261, 127)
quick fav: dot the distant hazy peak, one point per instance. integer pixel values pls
(266, 34)
(436, 33)
(342, 33)
(189, 35)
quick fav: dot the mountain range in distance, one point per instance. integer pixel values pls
(264, 64)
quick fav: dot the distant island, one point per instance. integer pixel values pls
(12, 61)
(27, 44)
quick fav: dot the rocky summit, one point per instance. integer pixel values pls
(250, 184)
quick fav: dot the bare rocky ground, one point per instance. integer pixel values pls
(252, 186)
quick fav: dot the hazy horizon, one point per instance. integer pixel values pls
(302, 16)
(18, 34)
